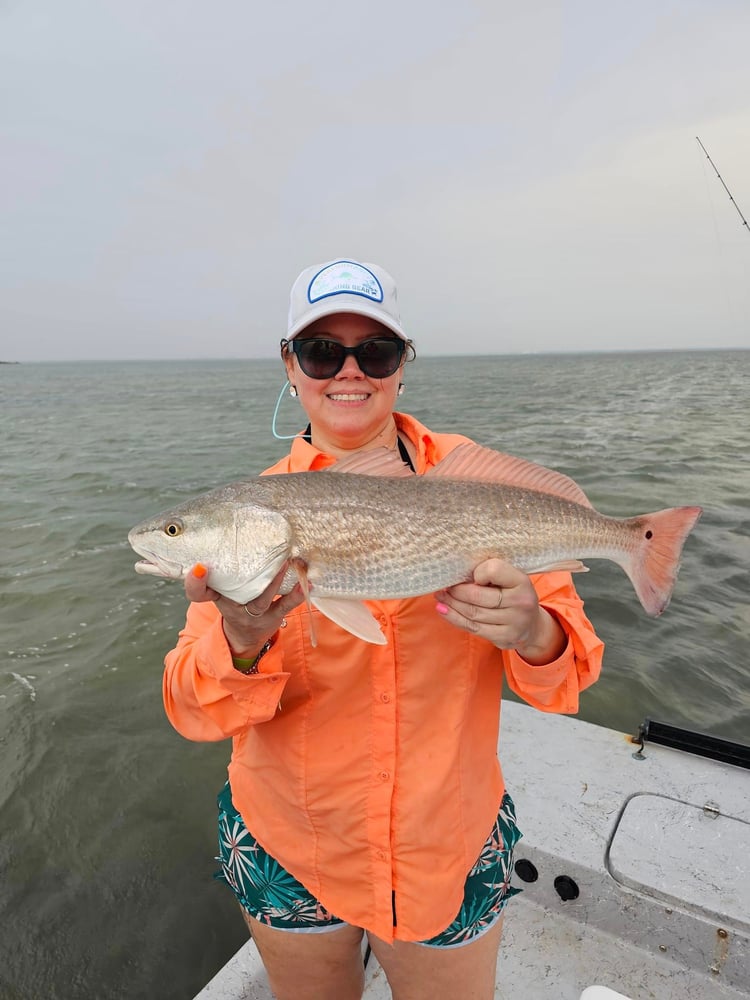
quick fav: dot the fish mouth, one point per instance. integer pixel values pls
(152, 565)
(172, 571)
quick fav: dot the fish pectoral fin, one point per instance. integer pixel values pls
(354, 616)
(566, 565)
(472, 461)
(300, 568)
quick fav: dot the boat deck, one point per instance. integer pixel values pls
(658, 846)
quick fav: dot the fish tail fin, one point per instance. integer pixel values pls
(652, 564)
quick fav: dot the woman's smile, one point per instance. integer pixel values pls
(348, 397)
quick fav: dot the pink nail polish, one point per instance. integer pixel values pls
(442, 609)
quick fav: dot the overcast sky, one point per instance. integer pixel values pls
(528, 171)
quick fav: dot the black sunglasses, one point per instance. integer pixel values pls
(377, 358)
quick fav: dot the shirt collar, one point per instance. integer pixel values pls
(305, 457)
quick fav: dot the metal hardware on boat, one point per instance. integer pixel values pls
(566, 888)
(640, 739)
(526, 870)
(721, 952)
(701, 744)
(711, 809)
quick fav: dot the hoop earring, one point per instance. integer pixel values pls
(400, 389)
(293, 391)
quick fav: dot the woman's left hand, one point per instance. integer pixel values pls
(501, 605)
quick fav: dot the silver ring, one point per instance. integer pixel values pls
(253, 614)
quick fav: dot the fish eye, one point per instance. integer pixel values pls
(173, 528)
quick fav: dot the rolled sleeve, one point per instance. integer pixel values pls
(555, 686)
(205, 697)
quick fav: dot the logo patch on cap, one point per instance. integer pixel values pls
(344, 277)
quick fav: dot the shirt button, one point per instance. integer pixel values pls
(382, 855)
(385, 697)
(272, 680)
(385, 775)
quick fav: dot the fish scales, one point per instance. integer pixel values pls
(375, 538)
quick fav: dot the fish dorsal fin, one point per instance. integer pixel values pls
(472, 461)
(378, 462)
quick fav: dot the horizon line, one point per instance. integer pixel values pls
(420, 356)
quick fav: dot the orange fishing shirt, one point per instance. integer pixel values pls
(371, 772)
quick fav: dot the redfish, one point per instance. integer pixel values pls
(369, 529)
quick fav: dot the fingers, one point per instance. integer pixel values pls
(267, 618)
(476, 613)
(496, 572)
(246, 626)
(260, 604)
(493, 589)
(501, 604)
(469, 596)
(197, 591)
(196, 588)
(247, 632)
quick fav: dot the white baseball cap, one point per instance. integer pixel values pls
(343, 286)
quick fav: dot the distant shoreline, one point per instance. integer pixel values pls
(515, 355)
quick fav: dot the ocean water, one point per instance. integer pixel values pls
(107, 819)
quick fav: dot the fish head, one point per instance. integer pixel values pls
(243, 546)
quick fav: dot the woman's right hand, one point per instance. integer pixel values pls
(248, 630)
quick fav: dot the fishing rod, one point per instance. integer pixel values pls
(744, 220)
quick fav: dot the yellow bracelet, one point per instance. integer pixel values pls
(251, 666)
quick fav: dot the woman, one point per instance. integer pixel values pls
(365, 794)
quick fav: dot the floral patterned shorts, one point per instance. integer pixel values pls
(270, 894)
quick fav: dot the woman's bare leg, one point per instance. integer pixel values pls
(418, 973)
(311, 966)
